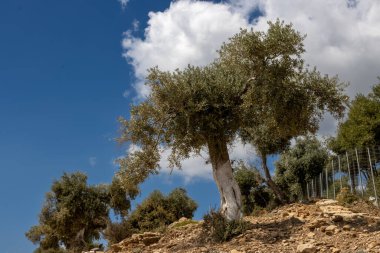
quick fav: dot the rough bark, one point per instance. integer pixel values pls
(280, 195)
(230, 196)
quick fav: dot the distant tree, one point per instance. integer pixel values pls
(117, 231)
(120, 199)
(362, 127)
(254, 192)
(257, 87)
(180, 205)
(74, 214)
(158, 211)
(300, 164)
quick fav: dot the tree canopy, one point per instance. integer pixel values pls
(158, 210)
(254, 193)
(284, 98)
(257, 88)
(300, 164)
(362, 127)
(74, 214)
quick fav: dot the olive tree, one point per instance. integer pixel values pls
(300, 164)
(257, 85)
(74, 214)
(362, 126)
(282, 98)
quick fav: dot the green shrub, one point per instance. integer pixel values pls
(255, 195)
(157, 211)
(73, 215)
(184, 223)
(345, 197)
(117, 231)
(219, 228)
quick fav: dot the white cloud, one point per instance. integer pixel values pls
(197, 167)
(135, 25)
(92, 161)
(188, 32)
(340, 39)
(123, 3)
(343, 38)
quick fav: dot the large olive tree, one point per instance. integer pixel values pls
(258, 81)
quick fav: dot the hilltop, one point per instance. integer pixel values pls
(322, 226)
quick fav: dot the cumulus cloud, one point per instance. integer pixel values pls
(188, 32)
(197, 167)
(342, 39)
(342, 36)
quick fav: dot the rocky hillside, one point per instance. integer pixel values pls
(323, 226)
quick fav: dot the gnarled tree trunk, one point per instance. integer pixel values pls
(280, 195)
(230, 196)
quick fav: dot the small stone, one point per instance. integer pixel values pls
(372, 245)
(335, 250)
(235, 251)
(346, 227)
(183, 219)
(330, 230)
(306, 248)
(311, 235)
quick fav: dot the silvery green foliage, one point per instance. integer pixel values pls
(257, 88)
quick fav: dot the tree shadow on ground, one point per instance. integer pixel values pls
(271, 232)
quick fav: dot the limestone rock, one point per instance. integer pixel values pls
(330, 230)
(306, 248)
(346, 227)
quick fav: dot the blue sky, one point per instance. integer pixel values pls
(63, 76)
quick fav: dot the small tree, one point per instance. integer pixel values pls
(300, 164)
(180, 205)
(254, 192)
(74, 214)
(117, 231)
(158, 211)
(258, 88)
(362, 127)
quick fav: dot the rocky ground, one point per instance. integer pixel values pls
(323, 226)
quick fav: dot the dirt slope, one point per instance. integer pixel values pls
(323, 226)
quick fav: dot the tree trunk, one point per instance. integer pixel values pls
(280, 195)
(304, 190)
(353, 184)
(230, 196)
